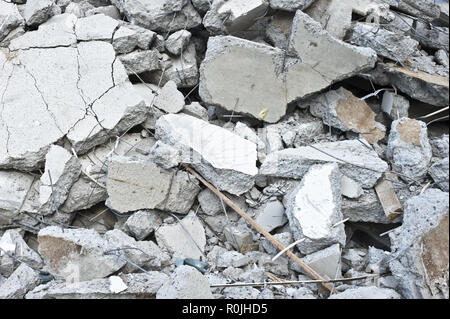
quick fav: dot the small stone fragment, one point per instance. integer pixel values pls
(271, 215)
(440, 175)
(178, 41)
(350, 188)
(142, 223)
(325, 262)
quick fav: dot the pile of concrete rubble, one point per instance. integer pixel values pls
(321, 120)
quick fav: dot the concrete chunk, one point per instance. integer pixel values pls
(326, 262)
(142, 223)
(19, 283)
(10, 18)
(128, 37)
(439, 173)
(38, 11)
(314, 207)
(71, 253)
(288, 5)
(185, 283)
(169, 99)
(271, 215)
(257, 79)
(14, 187)
(223, 158)
(294, 163)
(409, 149)
(344, 111)
(138, 62)
(178, 41)
(367, 293)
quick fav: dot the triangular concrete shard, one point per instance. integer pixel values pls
(226, 160)
(256, 79)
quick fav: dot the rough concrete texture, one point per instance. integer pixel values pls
(355, 160)
(161, 15)
(129, 37)
(395, 105)
(19, 283)
(257, 68)
(388, 44)
(138, 62)
(169, 99)
(314, 207)
(288, 5)
(326, 262)
(185, 283)
(38, 11)
(440, 146)
(96, 27)
(225, 159)
(62, 169)
(178, 41)
(72, 253)
(186, 237)
(344, 111)
(409, 149)
(66, 104)
(271, 215)
(139, 286)
(350, 188)
(164, 155)
(367, 293)
(420, 247)
(10, 18)
(440, 175)
(142, 223)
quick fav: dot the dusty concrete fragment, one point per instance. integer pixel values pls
(169, 99)
(225, 159)
(176, 240)
(350, 188)
(441, 57)
(197, 110)
(138, 62)
(165, 155)
(110, 11)
(284, 238)
(344, 111)
(394, 46)
(421, 244)
(38, 11)
(408, 148)
(423, 9)
(62, 169)
(395, 106)
(233, 15)
(240, 237)
(236, 71)
(13, 243)
(232, 258)
(178, 41)
(10, 18)
(294, 163)
(14, 187)
(142, 223)
(19, 283)
(314, 207)
(161, 15)
(440, 146)
(202, 6)
(96, 27)
(183, 192)
(326, 262)
(211, 204)
(129, 37)
(367, 293)
(138, 286)
(185, 283)
(71, 253)
(288, 5)
(439, 173)
(145, 254)
(271, 215)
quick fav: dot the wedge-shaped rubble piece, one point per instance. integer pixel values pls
(185, 283)
(326, 262)
(62, 169)
(314, 207)
(420, 247)
(180, 238)
(10, 18)
(344, 111)
(356, 160)
(409, 149)
(139, 286)
(77, 254)
(256, 79)
(226, 160)
(439, 173)
(87, 98)
(19, 283)
(38, 11)
(160, 15)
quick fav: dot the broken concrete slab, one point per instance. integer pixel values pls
(96, 27)
(180, 238)
(223, 158)
(138, 286)
(440, 175)
(128, 37)
(185, 283)
(271, 215)
(344, 111)
(19, 283)
(326, 262)
(38, 11)
(367, 293)
(62, 169)
(394, 46)
(72, 252)
(238, 88)
(232, 16)
(10, 18)
(138, 62)
(314, 207)
(178, 41)
(409, 149)
(161, 15)
(420, 247)
(356, 160)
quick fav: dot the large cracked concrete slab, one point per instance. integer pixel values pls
(87, 98)
(259, 80)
